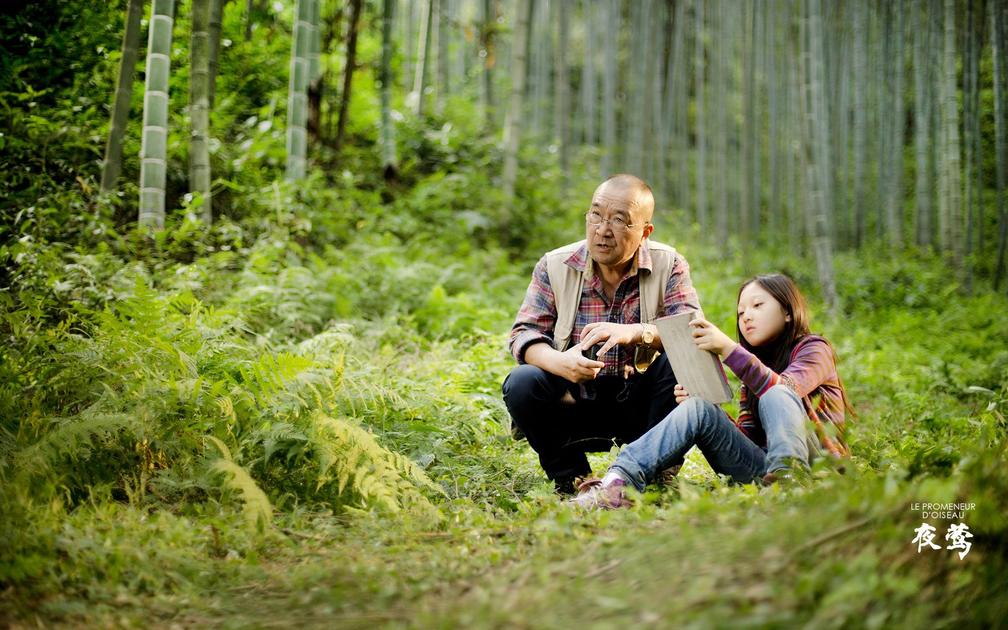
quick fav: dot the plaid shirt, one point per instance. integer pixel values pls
(811, 373)
(537, 316)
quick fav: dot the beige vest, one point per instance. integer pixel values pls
(568, 283)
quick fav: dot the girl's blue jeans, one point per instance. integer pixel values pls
(697, 422)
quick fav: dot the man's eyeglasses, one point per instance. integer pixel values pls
(617, 223)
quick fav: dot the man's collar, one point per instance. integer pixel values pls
(642, 260)
(644, 256)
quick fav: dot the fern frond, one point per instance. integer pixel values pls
(408, 468)
(279, 434)
(361, 466)
(72, 439)
(226, 406)
(222, 447)
(256, 505)
(360, 391)
(328, 342)
(271, 374)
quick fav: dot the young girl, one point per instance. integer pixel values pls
(789, 378)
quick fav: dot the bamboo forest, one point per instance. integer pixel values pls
(298, 301)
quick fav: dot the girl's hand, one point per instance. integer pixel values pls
(707, 336)
(680, 394)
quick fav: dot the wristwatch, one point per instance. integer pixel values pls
(647, 334)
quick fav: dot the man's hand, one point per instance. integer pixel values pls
(612, 334)
(707, 336)
(575, 367)
(570, 365)
(680, 394)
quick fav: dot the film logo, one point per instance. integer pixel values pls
(957, 534)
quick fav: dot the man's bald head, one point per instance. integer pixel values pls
(636, 191)
(618, 220)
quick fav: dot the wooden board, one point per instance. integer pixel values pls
(699, 371)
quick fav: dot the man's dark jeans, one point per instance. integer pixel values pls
(606, 410)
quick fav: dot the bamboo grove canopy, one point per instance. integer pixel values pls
(816, 125)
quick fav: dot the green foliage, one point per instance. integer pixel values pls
(163, 370)
(50, 97)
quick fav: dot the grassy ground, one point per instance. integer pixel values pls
(926, 367)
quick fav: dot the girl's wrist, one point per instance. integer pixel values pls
(728, 349)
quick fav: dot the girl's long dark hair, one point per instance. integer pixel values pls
(777, 353)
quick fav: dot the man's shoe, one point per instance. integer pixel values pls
(786, 477)
(592, 495)
(564, 486)
(670, 476)
(771, 478)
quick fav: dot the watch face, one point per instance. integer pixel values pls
(648, 336)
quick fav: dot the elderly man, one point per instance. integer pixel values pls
(602, 292)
